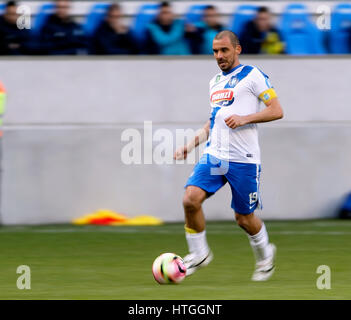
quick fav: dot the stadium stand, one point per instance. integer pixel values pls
(146, 14)
(40, 19)
(194, 13)
(95, 17)
(340, 29)
(298, 31)
(296, 21)
(241, 16)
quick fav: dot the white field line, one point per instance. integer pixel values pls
(169, 231)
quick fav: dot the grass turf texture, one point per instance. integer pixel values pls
(92, 262)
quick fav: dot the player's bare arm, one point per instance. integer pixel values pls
(200, 137)
(273, 111)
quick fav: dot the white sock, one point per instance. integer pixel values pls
(260, 244)
(197, 243)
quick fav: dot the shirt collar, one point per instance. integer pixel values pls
(230, 71)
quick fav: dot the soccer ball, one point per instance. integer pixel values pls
(168, 268)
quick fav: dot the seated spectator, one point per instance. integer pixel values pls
(259, 36)
(112, 37)
(201, 39)
(60, 34)
(166, 35)
(13, 41)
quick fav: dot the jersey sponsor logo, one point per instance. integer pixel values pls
(222, 98)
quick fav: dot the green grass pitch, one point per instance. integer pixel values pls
(96, 262)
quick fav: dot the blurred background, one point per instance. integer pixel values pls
(81, 82)
(77, 74)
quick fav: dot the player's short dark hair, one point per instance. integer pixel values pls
(263, 9)
(11, 4)
(230, 34)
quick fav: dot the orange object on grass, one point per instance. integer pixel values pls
(110, 218)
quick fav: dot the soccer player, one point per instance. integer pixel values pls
(232, 155)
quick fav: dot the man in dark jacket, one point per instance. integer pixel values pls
(13, 40)
(166, 34)
(259, 36)
(112, 36)
(60, 34)
(205, 31)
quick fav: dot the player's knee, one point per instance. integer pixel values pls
(191, 202)
(243, 221)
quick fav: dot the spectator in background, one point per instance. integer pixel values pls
(112, 36)
(205, 31)
(13, 41)
(60, 34)
(166, 35)
(259, 36)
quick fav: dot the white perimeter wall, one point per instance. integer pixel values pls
(65, 116)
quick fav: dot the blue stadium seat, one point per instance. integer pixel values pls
(2, 8)
(146, 14)
(340, 29)
(243, 14)
(299, 32)
(95, 17)
(194, 13)
(43, 13)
